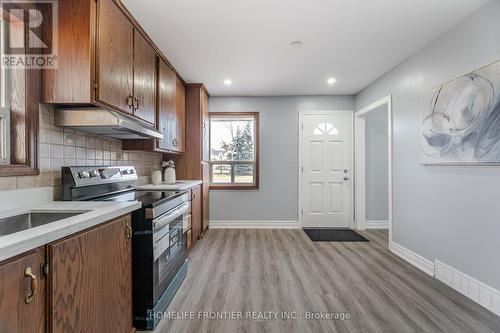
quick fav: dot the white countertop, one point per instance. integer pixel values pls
(23, 241)
(180, 185)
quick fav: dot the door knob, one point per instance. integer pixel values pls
(346, 178)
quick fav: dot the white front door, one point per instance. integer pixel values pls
(326, 140)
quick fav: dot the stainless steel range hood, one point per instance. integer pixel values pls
(104, 122)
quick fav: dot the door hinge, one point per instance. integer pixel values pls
(302, 126)
(301, 212)
(95, 85)
(302, 168)
(45, 270)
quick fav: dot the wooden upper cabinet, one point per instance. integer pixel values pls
(18, 311)
(197, 136)
(144, 79)
(91, 280)
(72, 81)
(166, 105)
(205, 125)
(180, 116)
(114, 57)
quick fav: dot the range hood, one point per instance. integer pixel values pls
(105, 123)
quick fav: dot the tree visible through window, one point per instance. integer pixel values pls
(234, 150)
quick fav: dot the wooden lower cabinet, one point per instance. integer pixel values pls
(196, 214)
(20, 278)
(90, 285)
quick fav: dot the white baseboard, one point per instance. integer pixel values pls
(477, 291)
(244, 224)
(377, 224)
(413, 258)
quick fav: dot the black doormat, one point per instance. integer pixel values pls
(334, 235)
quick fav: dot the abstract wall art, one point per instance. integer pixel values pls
(460, 120)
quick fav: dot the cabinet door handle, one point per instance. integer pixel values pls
(34, 285)
(136, 103)
(130, 101)
(128, 232)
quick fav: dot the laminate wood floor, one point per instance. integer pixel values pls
(282, 271)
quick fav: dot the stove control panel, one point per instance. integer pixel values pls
(85, 175)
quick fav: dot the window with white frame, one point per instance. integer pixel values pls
(234, 150)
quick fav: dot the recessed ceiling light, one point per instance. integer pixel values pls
(296, 44)
(331, 80)
(228, 82)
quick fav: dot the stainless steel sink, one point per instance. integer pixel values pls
(12, 224)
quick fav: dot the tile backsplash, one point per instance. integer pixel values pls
(66, 147)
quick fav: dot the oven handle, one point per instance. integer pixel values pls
(170, 216)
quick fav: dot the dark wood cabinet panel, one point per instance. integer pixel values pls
(91, 280)
(205, 125)
(144, 79)
(180, 115)
(170, 114)
(19, 313)
(114, 56)
(192, 164)
(205, 203)
(166, 105)
(76, 21)
(196, 142)
(196, 214)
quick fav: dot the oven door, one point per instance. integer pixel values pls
(169, 247)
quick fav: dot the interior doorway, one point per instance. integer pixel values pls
(373, 167)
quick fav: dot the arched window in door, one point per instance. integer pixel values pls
(326, 129)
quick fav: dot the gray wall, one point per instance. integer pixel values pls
(376, 165)
(443, 212)
(277, 198)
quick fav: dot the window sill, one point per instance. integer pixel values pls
(234, 187)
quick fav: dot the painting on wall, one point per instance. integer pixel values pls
(460, 120)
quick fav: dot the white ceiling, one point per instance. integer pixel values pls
(355, 41)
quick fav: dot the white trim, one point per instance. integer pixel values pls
(413, 258)
(477, 291)
(359, 169)
(252, 224)
(351, 162)
(373, 106)
(377, 224)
